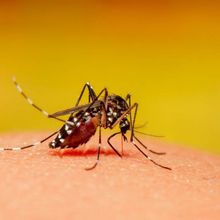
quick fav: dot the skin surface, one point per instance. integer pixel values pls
(40, 183)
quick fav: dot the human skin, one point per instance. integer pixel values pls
(40, 183)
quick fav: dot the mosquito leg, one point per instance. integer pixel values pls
(152, 151)
(92, 94)
(72, 110)
(98, 153)
(128, 97)
(122, 145)
(124, 115)
(30, 145)
(132, 132)
(37, 107)
(102, 123)
(168, 168)
(105, 91)
(109, 138)
(133, 122)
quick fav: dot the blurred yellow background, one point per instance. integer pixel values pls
(165, 53)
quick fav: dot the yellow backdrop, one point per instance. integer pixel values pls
(165, 54)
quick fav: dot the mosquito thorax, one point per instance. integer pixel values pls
(115, 108)
(117, 102)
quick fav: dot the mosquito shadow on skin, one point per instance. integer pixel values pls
(82, 151)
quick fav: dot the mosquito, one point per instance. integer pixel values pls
(101, 111)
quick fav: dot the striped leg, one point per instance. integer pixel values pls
(133, 142)
(30, 145)
(37, 107)
(132, 124)
(92, 96)
(135, 107)
(149, 158)
(70, 111)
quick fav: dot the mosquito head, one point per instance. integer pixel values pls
(124, 125)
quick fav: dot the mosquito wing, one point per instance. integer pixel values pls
(76, 109)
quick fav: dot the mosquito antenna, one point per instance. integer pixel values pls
(141, 126)
(30, 145)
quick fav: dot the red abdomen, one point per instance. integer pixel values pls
(81, 134)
